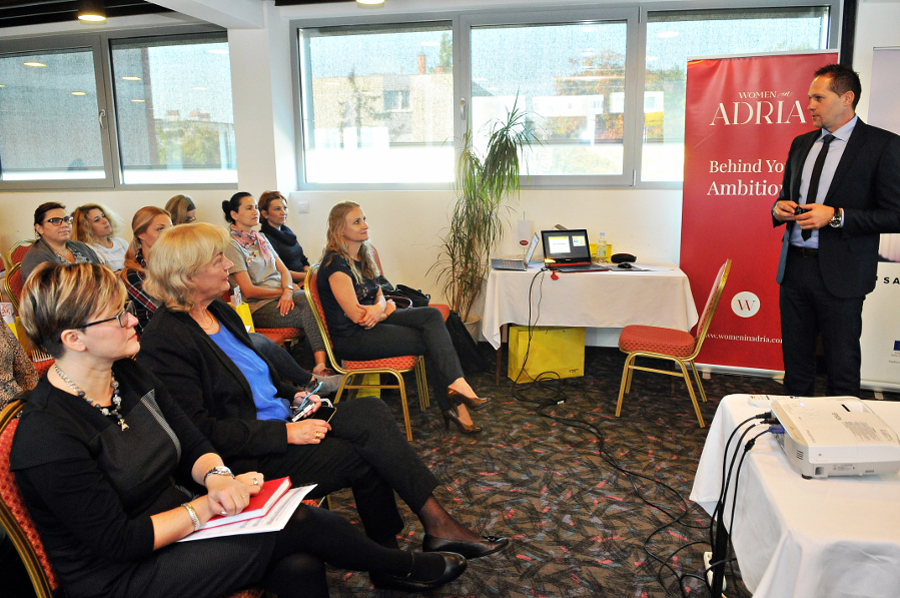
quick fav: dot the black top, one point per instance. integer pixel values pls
(210, 388)
(91, 487)
(366, 293)
(285, 243)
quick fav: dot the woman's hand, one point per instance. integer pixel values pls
(286, 302)
(307, 431)
(227, 495)
(373, 314)
(389, 308)
(253, 480)
(315, 399)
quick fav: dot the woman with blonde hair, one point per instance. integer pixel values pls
(363, 325)
(97, 226)
(182, 209)
(108, 463)
(198, 347)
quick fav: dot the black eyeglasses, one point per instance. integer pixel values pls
(59, 220)
(119, 317)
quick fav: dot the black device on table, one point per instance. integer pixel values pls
(568, 251)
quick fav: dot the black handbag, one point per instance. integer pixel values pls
(418, 298)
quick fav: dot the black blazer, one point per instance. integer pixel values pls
(209, 386)
(866, 185)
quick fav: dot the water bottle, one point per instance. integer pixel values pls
(601, 249)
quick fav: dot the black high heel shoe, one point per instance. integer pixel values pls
(472, 404)
(470, 550)
(454, 565)
(452, 415)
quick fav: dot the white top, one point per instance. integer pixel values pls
(113, 258)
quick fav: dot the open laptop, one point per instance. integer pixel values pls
(516, 263)
(568, 251)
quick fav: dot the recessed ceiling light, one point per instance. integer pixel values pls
(667, 34)
(78, 93)
(91, 10)
(370, 2)
(131, 78)
(137, 101)
(200, 88)
(35, 64)
(218, 51)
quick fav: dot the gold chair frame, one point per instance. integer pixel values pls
(702, 328)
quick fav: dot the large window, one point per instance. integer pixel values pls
(672, 37)
(603, 87)
(165, 116)
(48, 117)
(377, 105)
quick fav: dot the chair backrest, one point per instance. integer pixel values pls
(17, 252)
(14, 516)
(711, 303)
(13, 284)
(315, 305)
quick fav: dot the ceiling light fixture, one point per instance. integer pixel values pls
(370, 2)
(35, 64)
(91, 10)
(131, 78)
(78, 93)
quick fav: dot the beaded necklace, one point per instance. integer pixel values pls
(116, 399)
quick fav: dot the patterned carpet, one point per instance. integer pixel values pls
(579, 525)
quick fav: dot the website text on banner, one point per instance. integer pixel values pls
(741, 115)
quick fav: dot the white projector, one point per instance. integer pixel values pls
(836, 436)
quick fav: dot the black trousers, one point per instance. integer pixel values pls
(807, 309)
(364, 451)
(412, 331)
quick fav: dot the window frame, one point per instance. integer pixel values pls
(100, 44)
(635, 15)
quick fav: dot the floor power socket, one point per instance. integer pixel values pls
(707, 559)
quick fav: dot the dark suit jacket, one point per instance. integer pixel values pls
(866, 185)
(209, 386)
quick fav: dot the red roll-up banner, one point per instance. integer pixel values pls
(741, 115)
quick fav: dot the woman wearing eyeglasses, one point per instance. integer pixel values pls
(53, 228)
(114, 473)
(182, 209)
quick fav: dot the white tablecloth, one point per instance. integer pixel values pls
(661, 297)
(821, 538)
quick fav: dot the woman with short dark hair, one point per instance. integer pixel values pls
(273, 210)
(53, 227)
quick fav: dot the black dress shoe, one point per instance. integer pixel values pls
(470, 550)
(473, 404)
(454, 565)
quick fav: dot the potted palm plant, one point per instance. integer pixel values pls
(483, 185)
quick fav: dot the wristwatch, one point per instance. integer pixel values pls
(218, 470)
(289, 285)
(838, 219)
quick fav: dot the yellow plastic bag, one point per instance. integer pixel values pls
(553, 352)
(243, 310)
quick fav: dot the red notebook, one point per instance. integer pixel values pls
(259, 506)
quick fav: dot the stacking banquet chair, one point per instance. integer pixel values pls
(281, 336)
(18, 524)
(13, 284)
(674, 345)
(353, 370)
(17, 252)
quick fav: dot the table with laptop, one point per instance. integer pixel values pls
(573, 292)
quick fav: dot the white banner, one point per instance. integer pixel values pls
(881, 316)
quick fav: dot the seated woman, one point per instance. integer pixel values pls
(182, 209)
(364, 326)
(273, 210)
(264, 280)
(17, 373)
(199, 349)
(53, 228)
(97, 227)
(147, 225)
(104, 457)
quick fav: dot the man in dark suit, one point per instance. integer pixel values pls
(841, 190)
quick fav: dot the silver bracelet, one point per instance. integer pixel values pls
(194, 519)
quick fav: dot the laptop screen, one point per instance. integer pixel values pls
(566, 246)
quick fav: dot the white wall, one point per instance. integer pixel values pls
(405, 225)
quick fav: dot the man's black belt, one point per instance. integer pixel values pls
(803, 251)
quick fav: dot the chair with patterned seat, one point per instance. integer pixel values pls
(671, 344)
(357, 370)
(13, 284)
(18, 523)
(17, 252)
